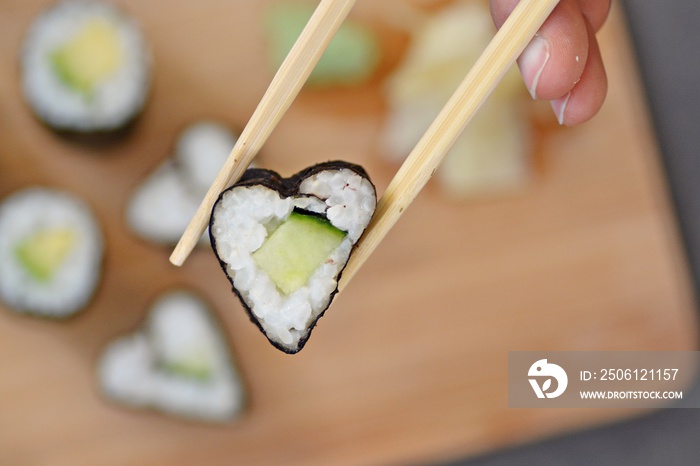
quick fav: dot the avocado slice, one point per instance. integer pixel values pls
(42, 253)
(298, 247)
(89, 57)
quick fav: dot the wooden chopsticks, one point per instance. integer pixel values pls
(499, 56)
(509, 42)
(283, 89)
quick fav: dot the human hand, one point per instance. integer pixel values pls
(563, 64)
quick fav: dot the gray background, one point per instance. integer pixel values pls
(667, 37)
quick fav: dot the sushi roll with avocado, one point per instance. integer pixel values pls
(85, 67)
(178, 363)
(50, 253)
(163, 205)
(283, 243)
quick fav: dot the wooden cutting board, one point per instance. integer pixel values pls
(409, 365)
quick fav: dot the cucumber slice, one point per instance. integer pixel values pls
(196, 368)
(43, 253)
(298, 247)
(89, 58)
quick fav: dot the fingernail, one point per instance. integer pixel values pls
(559, 107)
(532, 62)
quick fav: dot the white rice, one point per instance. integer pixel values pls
(115, 102)
(200, 153)
(162, 206)
(179, 328)
(246, 216)
(72, 285)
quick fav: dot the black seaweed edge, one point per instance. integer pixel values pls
(287, 187)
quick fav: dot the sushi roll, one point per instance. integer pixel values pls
(201, 151)
(163, 205)
(50, 253)
(178, 363)
(85, 67)
(283, 243)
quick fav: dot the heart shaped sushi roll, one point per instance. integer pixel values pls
(163, 205)
(178, 363)
(85, 67)
(283, 243)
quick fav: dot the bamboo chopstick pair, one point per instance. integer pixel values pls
(501, 53)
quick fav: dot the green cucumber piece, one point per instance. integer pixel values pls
(196, 369)
(42, 253)
(298, 247)
(351, 57)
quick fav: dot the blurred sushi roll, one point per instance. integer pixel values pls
(163, 205)
(177, 363)
(85, 67)
(352, 57)
(50, 253)
(283, 243)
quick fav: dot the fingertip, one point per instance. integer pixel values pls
(588, 96)
(533, 61)
(501, 9)
(554, 61)
(562, 63)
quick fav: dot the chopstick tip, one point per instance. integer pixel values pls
(176, 258)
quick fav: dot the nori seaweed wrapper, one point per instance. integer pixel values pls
(287, 188)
